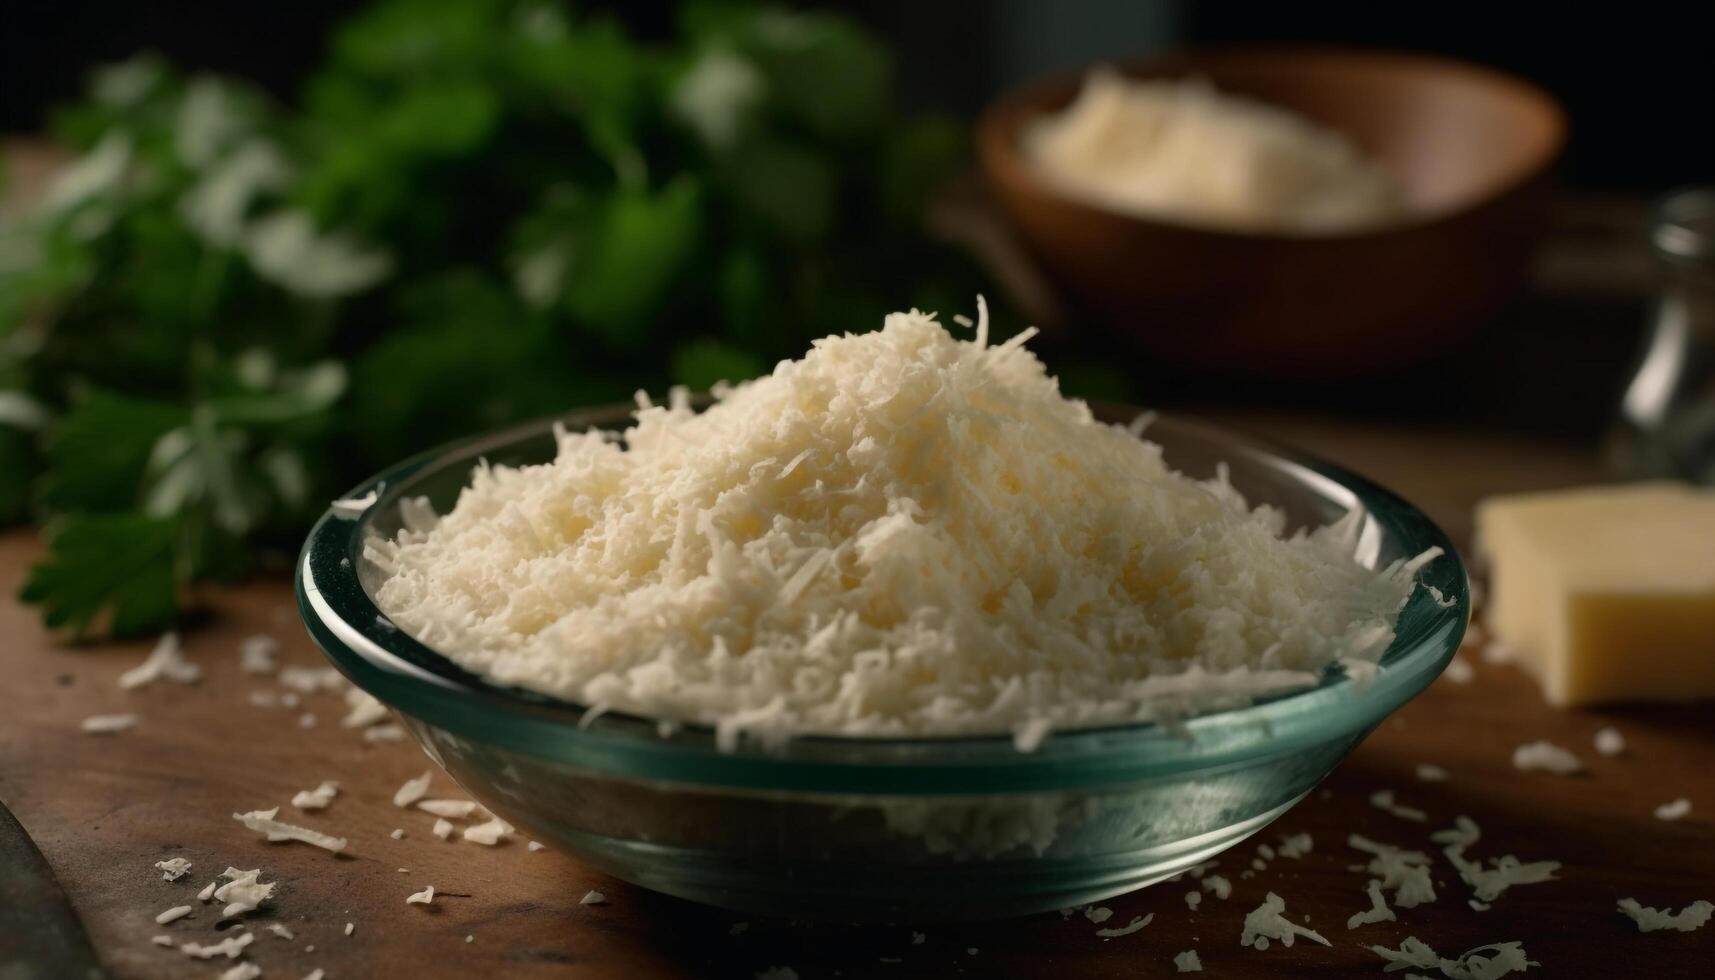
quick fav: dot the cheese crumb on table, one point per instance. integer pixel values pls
(172, 869)
(281, 930)
(490, 833)
(242, 971)
(593, 898)
(1488, 884)
(1405, 872)
(1217, 886)
(1459, 671)
(162, 940)
(1547, 757)
(1265, 922)
(1098, 914)
(173, 914)
(229, 947)
(1430, 773)
(1482, 963)
(1609, 741)
(424, 897)
(536, 846)
(1606, 593)
(398, 833)
(1187, 962)
(256, 654)
(108, 724)
(263, 822)
(243, 892)
(350, 927)
(1296, 846)
(1688, 919)
(316, 799)
(1383, 799)
(443, 828)
(1137, 922)
(1378, 910)
(364, 710)
(165, 662)
(1674, 810)
(851, 522)
(454, 809)
(413, 790)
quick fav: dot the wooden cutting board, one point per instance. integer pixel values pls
(104, 809)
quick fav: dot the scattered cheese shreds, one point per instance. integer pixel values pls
(318, 798)
(443, 828)
(1406, 872)
(537, 846)
(173, 914)
(172, 869)
(242, 971)
(490, 833)
(352, 508)
(1187, 962)
(1430, 773)
(882, 584)
(162, 940)
(256, 654)
(1266, 922)
(593, 898)
(165, 662)
(1218, 886)
(1546, 756)
(1688, 919)
(398, 833)
(1610, 742)
(1098, 914)
(263, 822)
(1673, 810)
(424, 897)
(364, 709)
(350, 927)
(1296, 846)
(316, 974)
(1488, 884)
(281, 930)
(207, 894)
(108, 724)
(452, 809)
(1193, 899)
(1137, 922)
(229, 947)
(384, 733)
(413, 790)
(1383, 799)
(243, 892)
(309, 680)
(1378, 910)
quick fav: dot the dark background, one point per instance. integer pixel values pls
(1637, 79)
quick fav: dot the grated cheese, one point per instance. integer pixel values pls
(165, 662)
(281, 930)
(1378, 910)
(1546, 756)
(1098, 914)
(1265, 922)
(364, 709)
(229, 947)
(885, 585)
(1383, 799)
(172, 869)
(1673, 810)
(1193, 899)
(593, 898)
(1137, 922)
(263, 822)
(350, 927)
(1218, 886)
(207, 894)
(452, 809)
(537, 846)
(351, 508)
(108, 724)
(1688, 919)
(1296, 846)
(413, 790)
(1406, 872)
(243, 892)
(1609, 741)
(443, 829)
(1482, 963)
(490, 833)
(242, 971)
(384, 733)
(316, 974)
(1428, 773)
(424, 897)
(1459, 670)
(256, 654)
(162, 940)
(316, 799)
(309, 680)
(398, 833)
(173, 914)
(1187, 962)
(1488, 884)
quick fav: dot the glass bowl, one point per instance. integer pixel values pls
(874, 829)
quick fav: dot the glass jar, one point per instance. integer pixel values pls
(1666, 426)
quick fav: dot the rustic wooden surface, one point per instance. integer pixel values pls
(104, 809)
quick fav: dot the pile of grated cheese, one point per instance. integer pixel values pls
(900, 534)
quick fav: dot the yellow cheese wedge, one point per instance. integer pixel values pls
(1606, 593)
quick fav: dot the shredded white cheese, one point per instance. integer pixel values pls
(108, 724)
(398, 833)
(443, 829)
(1673, 810)
(165, 662)
(263, 822)
(424, 897)
(537, 846)
(1482, 963)
(1098, 914)
(364, 709)
(1265, 922)
(1193, 899)
(281, 930)
(885, 585)
(1406, 872)
(317, 973)
(384, 733)
(1218, 886)
(316, 799)
(1688, 919)
(1378, 910)
(1296, 846)
(593, 898)
(242, 971)
(452, 809)
(1610, 742)
(243, 892)
(207, 894)
(351, 508)
(413, 790)
(229, 947)
(172, 869)
(173, 914)
(1488, 884)
(162, 940)
(1546, 756)
(1187, 962)
(1430, 773)
(1137, 922)
(490, 832)
(256, 654)
(1383, 799)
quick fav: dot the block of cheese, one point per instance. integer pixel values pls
(1606, 593)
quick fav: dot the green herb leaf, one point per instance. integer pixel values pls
(98, 451)
(117, 566)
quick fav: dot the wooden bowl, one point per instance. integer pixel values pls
(1472, 149)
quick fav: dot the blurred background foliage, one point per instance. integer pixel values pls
(227, 309)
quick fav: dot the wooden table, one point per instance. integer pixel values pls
(104, 809)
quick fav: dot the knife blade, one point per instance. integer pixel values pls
(40, 936)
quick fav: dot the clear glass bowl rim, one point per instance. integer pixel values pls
(405, 674)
